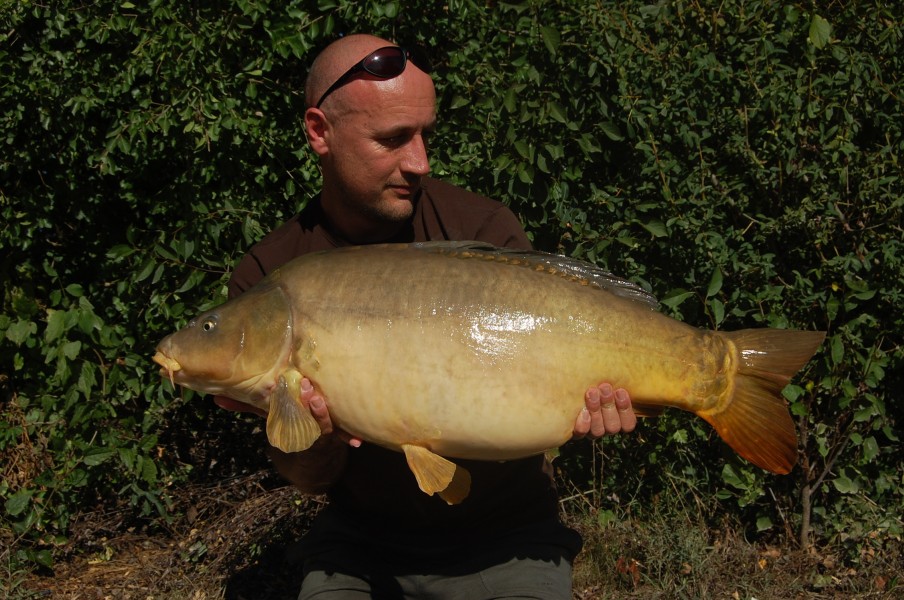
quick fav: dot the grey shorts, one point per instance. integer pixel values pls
(517, 578)
(341, 560)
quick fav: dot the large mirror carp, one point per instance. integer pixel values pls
(446, 350)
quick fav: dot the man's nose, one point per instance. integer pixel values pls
(416, 160)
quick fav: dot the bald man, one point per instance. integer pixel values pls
(371, 109)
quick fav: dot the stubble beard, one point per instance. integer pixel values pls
(386, 212)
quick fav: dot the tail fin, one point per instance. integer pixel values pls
(755, 421)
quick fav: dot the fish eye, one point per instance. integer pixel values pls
(209, 324)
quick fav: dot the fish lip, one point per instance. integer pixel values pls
(168, 366)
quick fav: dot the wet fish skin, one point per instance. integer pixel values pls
(461, 350)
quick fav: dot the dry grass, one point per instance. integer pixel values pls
(671, 555)
(233, 540)
(230, 543)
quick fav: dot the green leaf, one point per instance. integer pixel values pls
(146, 269)
(551, 38)
(96, 456)
(820, 31)
(556, 112)
(656, 228)
(18, 502)
(675, 297)
(845, 484)
(731, 478)
(870, 449)
(458, 101)
(20, 331)
(837, 347)
(148, 470)
(56, 325)
(510, 100)
(71, 349)
(524, 149)
(612, 131)
(715, 283)
(604, 517)
(43, 558)
(718, 309)
(588, 144)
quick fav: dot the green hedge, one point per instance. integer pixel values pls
(742, 163)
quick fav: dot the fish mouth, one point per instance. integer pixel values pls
(169, 366)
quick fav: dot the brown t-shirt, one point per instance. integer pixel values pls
(442, 212)
(377, 492)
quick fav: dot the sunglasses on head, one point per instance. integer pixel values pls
(386, 63)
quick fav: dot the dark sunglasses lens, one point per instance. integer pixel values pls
(386, 62)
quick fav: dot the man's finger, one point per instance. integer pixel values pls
(608, 421)
(626, 416)
(321, 413)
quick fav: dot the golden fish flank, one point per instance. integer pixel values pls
(461, 350)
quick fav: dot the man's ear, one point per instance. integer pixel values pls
(317, 129)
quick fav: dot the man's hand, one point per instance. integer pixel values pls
(607, 411)
(317, 405)
(310, 398)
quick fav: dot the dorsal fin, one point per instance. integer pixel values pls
(571, 268)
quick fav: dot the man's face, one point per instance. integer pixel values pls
(377, 147)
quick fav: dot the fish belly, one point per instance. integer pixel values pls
(475, 359)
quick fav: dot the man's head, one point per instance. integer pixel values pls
(371, 135)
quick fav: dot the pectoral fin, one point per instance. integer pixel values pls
(290, 426)
(436, 475)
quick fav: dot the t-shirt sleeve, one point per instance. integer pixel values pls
(276, 248)
(503, 229)
(247, 273)
(452, 213)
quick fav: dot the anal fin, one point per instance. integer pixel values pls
(437, 475)
(290, 426)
